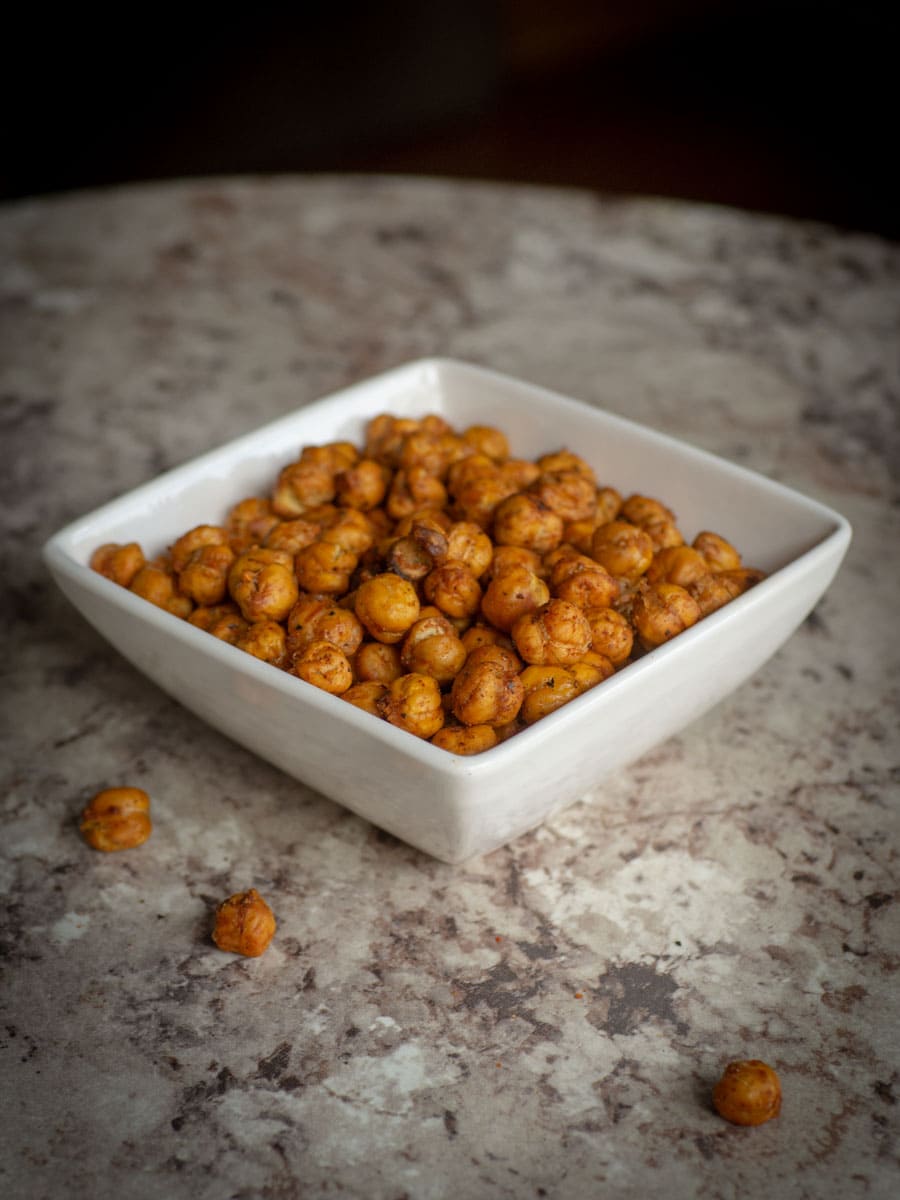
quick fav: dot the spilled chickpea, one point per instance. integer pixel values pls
(437, 582)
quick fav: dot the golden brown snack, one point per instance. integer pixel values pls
(545, 689)
(611, 634)
(117, 819)
(556, 633)
(249, 524)
(453, 589)
(158, 584)
(413, 703)
(524, 520)
(351, 529)
(644, 510)
(204, 577)
(183, 550)
(515, 556)
(377, 662)
(320, 619)
(467, 543)
(565, 461)
(292, 536)
(205, 617)
(582, 581)
(718, 553)
(487, 691)
(624, 549)
(387, 606)
(324, 666)
(663, 534)
(244, 924)
(118, 563)
(749, 1093)
(366, 695)
(486, 440)
(661, 611)
(324, 567)
(515, 591)
(384, 437)
(265, 640)
(432, 647)
(302, 486)
(570, 494)
(262, 584)
(364, 485)
(677, 564)
(465, 739)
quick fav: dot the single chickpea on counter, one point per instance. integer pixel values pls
(749, 1093)
(244, 924)
(117, 819)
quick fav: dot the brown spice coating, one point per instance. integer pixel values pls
(432, 647)
(366, 695)
(524, 520)
(661, 611)
(324, 666)
(158, 585)
(545, 689)
(572, 496)
(117, 819)
(377, 662)
(642, 510)
(118, 563)
(249, 523)
(204, 578)
(244, 924)
(265, 640)
(292, 536)
(453, 589)
(320, 619)
(412, 490)
(468, 544)
(556, 633)
(677, 564)
(181, 551)
(301, 486)
(611, 634)
(718, 553)
(262, 584)
(487, 690)
(364, 485)
(515, 591)
(465, 739)
(583, 582)
(324, 566)
(387, 606)
(413, 703)
(486, 440)
(624, 549)
(749, 1093)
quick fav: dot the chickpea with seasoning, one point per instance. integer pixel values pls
(453, 589)
(204, 577)
(244, 924)
(719, 554)
(184, 548)
(366, 695)
(545, 689)
(465, 739)
(571, 495)
(412, 490)
(583, 582)
(117, 819)
(749, 1093)
(556, 633)
(509, 595)
(413, 702)
(324, 567)
(319, 618)
(524, 520)
(364, 485)
(249, 523)
(487, 691)
(677, 564)
(377, 662)
(432, 647)
(301, 486)
(157, 583)
(265, 640)
(387, 606)
(118, 563)
(263, 585)
(661, 611)
(611, 634)
(625, 550)
(324, 666)
(292, 536)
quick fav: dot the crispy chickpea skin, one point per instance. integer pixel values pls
(515, 556)
(363, 485)
(265, 640)
(117, 819)
(487, 691)
(413, 489)
(641, 510)
(324, 666)
(545, 689)
(204, 577)
(557, 633)
(320, 619)
(749, 1093)
(263, 585)
(158, 585)
(453, 589)
(677, 564)
(485, 439)
(524, 520)
(244, 924)
(387, 606)
(571, 495)
(469, 544)
(432, 647)
(514, 591)
(183, 550)
(301, 486)
(583, 582)
(661, 611)
(465, 739)
(324, 567)
(366, 695)
(624, 549)
(249, 523)
(377, 662)
(611, 634)
(718, 553)
(480, 491)
(206, 616)
(292, 536)
(118, 563)
(413, 702)
(350, 529)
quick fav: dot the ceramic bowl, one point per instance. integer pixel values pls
(449, 806)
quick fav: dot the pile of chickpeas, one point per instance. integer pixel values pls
(437, 582)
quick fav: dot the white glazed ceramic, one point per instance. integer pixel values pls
(455, 807)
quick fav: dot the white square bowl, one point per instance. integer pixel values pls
(457, 807)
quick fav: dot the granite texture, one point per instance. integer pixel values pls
(547, 1020)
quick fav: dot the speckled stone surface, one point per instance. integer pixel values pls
(545, 1021)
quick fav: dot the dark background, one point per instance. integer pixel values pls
(783, 107)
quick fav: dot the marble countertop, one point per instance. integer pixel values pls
(544, 1021)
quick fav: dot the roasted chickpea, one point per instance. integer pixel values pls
(301, 486)
(387, 606)
(564, 461)
(468, 544)
(465, 739)
(118, 563)
(580, 534)
(432, 647)
(718, 553)
(611, 634)
(407, 557)
(663, 534)
(183, 550)
(364, 485)
(748, 1093)
(204, 578)
(571, 495)
(545, 689)
(244, 924)
(642, 510)
(677, 564)
(265, 640)
(515, 556)
(519, 474)
(556, 633)
(263, 585)
(480, 492)
(432, 451)
(230, 627)
(325, 666)
(487, 691)
(485, 635)
(366, 695)
(661, 611)
(292, 536)
(337, 456)
(516, 590)
(524, 520)
(352, 530)
(205, 617)
(324, 567)
(117, 819)
(412, 490)
(158, 585)
(591, 670)
(583, 582)
(250, 523)
(624, 549)
(453, 589)
(484, 439)
(609, 505)
(378, 663)
(320, 619)
(384, 437)
(413, 703)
